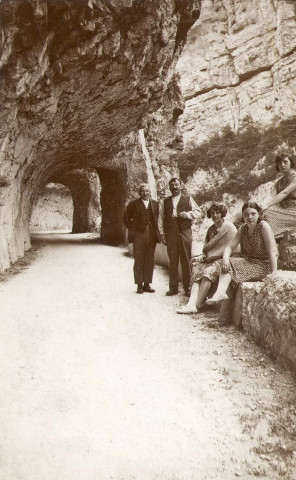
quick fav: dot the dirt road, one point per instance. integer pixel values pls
(98, 383)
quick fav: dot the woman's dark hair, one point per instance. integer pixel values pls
(255, 206)
(281, 157)
(218, 207)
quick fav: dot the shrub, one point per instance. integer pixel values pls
(238, 154)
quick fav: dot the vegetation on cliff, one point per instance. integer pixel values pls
(247, 157)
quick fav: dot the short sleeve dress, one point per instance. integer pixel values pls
(253, 264)
(282, 216)
(200, 266)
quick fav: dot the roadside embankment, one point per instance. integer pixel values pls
(268, 314)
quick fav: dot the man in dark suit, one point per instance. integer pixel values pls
(177, 213)
(141, 220)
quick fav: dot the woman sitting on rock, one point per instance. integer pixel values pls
(258, 254)
(280, 211)
(217, 238)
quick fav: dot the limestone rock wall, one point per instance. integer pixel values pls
(238, 77)
(85, 189)
(269, 314)
(53, 209)
(239, 61)
(287, 250)
(78, 79)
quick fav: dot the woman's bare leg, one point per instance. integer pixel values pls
(205, 286)
(198, 294)
(193, 294)
(220, 294)
(190, 307)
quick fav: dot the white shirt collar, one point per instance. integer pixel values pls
(146, 202)
(175, 204)
(176, 198)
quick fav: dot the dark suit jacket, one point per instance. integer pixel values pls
(132, 218)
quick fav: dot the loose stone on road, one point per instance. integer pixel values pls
(98, 383)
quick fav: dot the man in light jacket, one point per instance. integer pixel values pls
(177, 213)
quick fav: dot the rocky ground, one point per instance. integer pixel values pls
(100, 383)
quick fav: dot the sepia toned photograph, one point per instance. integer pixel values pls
(148, 240)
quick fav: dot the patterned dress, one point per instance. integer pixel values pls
(252, 266)
(282, 216)
(200, 266)
(215, 242)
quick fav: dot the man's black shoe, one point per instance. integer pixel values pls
(140, 289)
(148, 289)
(187, 293)
(171, 292)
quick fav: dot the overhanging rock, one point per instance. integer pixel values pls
(79, 81)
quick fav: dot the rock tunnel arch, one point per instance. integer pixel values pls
(98, 194)
(79, 81)
(85, 189)
(98, 197)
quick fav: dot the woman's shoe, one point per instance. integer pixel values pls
(216, 299)
(186, 309)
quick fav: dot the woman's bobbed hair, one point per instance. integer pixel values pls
(255, 206)
(281, 157)
(219, 207)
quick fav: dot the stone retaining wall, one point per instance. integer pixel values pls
(266, 311)
(287, 251)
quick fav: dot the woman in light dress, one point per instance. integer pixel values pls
(280, 211)
(218, 236)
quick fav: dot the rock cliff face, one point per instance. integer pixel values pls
(238, 77)
(83, 83)
(53, 209)
(239, 61)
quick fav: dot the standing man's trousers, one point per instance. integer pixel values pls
(179, 245)
(144, 254)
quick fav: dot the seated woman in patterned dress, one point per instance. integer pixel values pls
(218, 236)
(258, 254)
(280, 211)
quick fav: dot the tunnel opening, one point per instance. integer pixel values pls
(53, 210)
(113, 199)
(69, 203)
